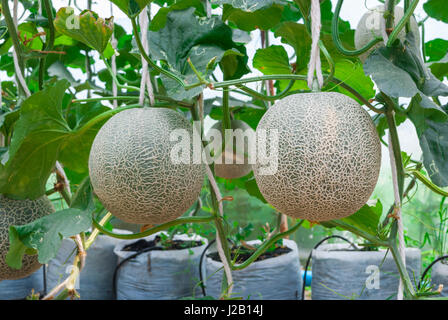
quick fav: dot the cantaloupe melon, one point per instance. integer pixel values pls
(369, 28)
(235, 169)
(329, 156)
(19, 212)
(132, 172)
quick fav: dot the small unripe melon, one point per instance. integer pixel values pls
(329, 156)
(19, 212)
(131, 168)
(369, 28)
(235, 169)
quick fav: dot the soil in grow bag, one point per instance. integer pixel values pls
(159, 268)
(242, 254)
(273, 276)
(166, 245)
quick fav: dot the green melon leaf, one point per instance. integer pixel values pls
(433, 87)
(295, 35)
(436, 49)
(7, 121)
(432, 130)
(74, 150)
(353, 74)
(367, 218)
(200, 39)
(437, 9)
(131, 7)
(399, 71)
(392, 80)
(252, 189)
(263, 19)
(42, 136)
(45, 235)
(38, 134)
(305, 5)
(159, 20)
(248, 5)
(272, 60)
(440, 68)
(87, 27)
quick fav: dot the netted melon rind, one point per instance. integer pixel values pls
(329, 156)
(234, 170)
(132, 172)
(368, 29)
(19, 212)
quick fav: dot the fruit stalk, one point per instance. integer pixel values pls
(150, 231)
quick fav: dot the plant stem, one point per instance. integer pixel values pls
(49, 41)
(103, 116)
(226, 112)
(12, 30)
(262, 96)
(390, 15)
(417, 174)
(410, 186)
(238, 82)
(66, 195)
(406, 8)
(409, 289)
(266, 246)
(105, 98)
(221, 238)
(196, 72)
(330, 61)
(114, 77)
(406, 18)
(395, 142)
(148, 59)
(356, 94)
(19, 64)
(158, 97)
(375, 240)
(337, 40)
(155, 229)
(96, 231)
(423, 43)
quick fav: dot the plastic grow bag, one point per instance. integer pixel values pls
(276, 278)
(21, 288)
(161, 274)
(339, 273)
(95, 281)
(439, 276)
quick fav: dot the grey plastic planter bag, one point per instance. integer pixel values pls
(275, 278)
(439, 275)
(21, 288)
(341, 273)
(159, 274)
(95, 281)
